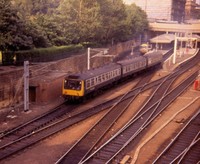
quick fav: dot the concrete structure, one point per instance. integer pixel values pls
(188, 32)
(183, 40)
(168, 27)
(191, 10)
(169, 10)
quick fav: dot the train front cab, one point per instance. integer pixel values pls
(73, 89)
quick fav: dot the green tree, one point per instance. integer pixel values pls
(113, 15)
(136, 21)
(79, 19)
(13, 31)
(26, 24)
(40, 22)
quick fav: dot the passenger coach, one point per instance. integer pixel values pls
(76, 86)
(81, 84)
(131, 66)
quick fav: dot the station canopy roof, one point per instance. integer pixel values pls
(164, 38)
(196, 37)
(168, 38)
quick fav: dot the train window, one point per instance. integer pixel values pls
(73, 84)
(99, 79)
(131, 67)
(96, 80)
(103, 77)
(106, 76)
(92, 82)
(111, 74)
(87, 83)
(117, 72)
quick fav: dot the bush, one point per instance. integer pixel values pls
(43, 54)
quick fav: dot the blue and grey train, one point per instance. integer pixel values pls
(79, 85)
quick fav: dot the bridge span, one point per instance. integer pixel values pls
(175, 27)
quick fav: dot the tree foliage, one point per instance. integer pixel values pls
(26, 24)
(13, 30)
(136, 20)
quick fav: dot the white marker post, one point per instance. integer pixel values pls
(175, 47)
(26, 86)
(88, 57)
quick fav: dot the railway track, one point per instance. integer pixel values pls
(35, 124)
(37, 129)
(79, 153)
(111, 151)
(47, 127)
(80, 149)
(185, 146)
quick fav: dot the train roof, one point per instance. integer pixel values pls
(153, 53)
(131, 60)
(97, 71)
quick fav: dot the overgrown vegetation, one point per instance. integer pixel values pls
(41, 54)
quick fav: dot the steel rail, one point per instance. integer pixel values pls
(67, 121)
(154, 116)
(44, 123)
(147, 87)
(167, 148)
(118, 134)
(183, 154)
(72, 156)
